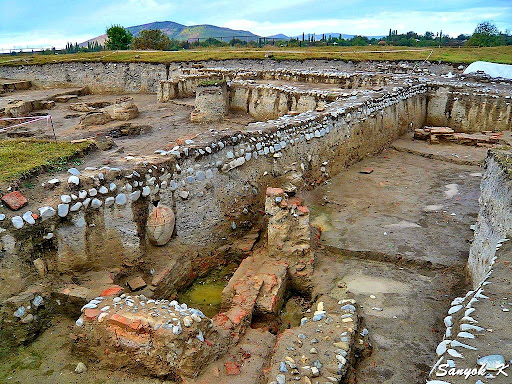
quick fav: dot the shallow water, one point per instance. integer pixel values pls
(206, 292)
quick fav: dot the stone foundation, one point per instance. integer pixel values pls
(211, 103)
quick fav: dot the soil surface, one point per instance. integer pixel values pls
(395, 239)
(408, 207)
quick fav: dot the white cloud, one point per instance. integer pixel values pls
(453, 23)
(43, 39)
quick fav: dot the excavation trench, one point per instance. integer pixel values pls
(390, 233)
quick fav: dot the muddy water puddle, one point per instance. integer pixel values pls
(205, 293)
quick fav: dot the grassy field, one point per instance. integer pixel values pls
(19, 158)
(450, 55)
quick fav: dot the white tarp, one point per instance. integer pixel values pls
(492, 69)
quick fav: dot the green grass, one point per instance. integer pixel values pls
(450, 55)
(21, 158)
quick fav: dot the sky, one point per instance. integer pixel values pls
(47, 23)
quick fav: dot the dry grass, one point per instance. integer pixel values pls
(450, 55)
(20, 158)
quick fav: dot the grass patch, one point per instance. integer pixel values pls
(21, 158)
(451, 55)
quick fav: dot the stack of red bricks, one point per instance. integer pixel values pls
(435, 135)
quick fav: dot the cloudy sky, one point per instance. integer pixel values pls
(36, 23)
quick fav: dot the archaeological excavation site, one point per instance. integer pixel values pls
(257, 222)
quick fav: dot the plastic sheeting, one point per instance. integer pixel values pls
(492, 69)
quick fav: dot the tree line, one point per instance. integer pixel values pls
(486, 34)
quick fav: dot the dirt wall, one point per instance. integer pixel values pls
(468, 111)
(495, 216)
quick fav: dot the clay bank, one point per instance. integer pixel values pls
(252, 175)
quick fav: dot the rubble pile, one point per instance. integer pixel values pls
(435, 135)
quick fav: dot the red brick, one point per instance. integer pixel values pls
(113, 290)
(159, 276)
(15, 200)
(222, 320)
(136, 325)
(119, 321)
(295, 201)
(237, 314)
(232, 368)
(136, 283)
(275, 191)
(302, 209)
(91, 314)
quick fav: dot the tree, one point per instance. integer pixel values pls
(153, 39)
(486, 35)
(118, 38)
(487, 28)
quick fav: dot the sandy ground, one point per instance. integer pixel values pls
(409, 206)
(396, 240)
(402, 308)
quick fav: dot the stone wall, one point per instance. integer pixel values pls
(265, 102)
(495, 216)
(468, 111)
(100, 77)
(211, 103)
(180, 86)
(218, 180)
(213, 187)
(477, 323)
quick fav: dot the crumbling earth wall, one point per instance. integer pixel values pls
(468, 111)
(495, 216)
(100, 77)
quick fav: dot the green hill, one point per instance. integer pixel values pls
(182, 32)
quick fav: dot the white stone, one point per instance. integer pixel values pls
(134, 196)
(96, 203)
(80, 368)
(146, 191)
(121, 199)
(63, 210)
(73, 180)
(86, 202)
(109, 201)
(65, 199)
(184, 194)
(27, 216)
(82, 194)
(75, 207)
(74, 171)
(93, 192)
(187, 321)
(103, 190)
(46, 213)
(17, 222)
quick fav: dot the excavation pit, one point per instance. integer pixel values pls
(365, 239)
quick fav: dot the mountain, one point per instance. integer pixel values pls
(279, 36)
(182, 32)
(193, 32)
